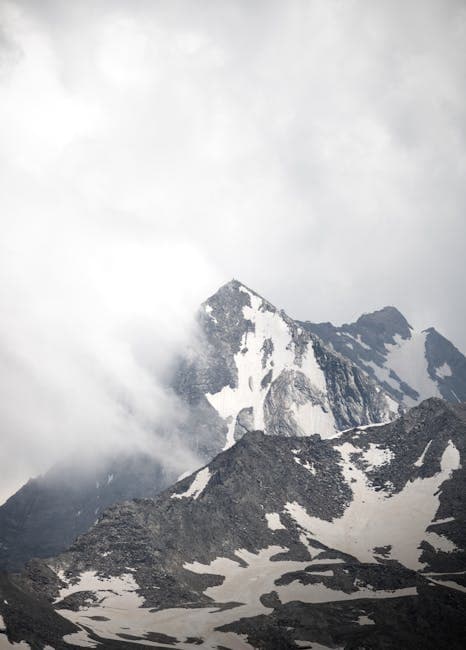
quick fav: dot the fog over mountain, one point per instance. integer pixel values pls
(150, 152)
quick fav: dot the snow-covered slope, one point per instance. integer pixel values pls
(270, 347)
(280, 542)
(255, 368)
(410, 365)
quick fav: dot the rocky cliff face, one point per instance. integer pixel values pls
(280, 542)
(409, 365)
(256, 368)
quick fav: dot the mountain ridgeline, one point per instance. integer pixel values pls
(280, 542)
(253, 368)
(256, 368)
(409, 365)
(329, 512)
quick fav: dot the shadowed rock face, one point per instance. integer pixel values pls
(48, 513)
(446, 365)
(357, 541)
(382, 326)
(410, 366)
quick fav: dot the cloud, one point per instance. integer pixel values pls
(315, 150)
(91, 323)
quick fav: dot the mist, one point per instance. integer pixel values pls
(150, 151)
(86, 349)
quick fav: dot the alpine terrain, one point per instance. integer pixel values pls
(252, 368)
(50, 511)
(409, 365)
(328, 510)
(353, 541)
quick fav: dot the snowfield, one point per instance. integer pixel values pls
(374, 519)
(123, 608)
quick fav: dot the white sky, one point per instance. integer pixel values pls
(150, 151)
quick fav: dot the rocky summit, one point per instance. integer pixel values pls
(409, 365)
(256, 368)
(351, 541)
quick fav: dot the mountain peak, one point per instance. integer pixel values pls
(235, 285)
(388, 321)
(237, 293)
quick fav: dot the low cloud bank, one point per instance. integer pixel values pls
(90, 330)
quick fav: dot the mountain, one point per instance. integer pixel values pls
(357, 541)
(255, 368)
(49, 512)
(252, 367)
(409, 365)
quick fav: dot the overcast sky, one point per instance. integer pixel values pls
(150, 151)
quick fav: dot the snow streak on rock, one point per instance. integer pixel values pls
(197, 487)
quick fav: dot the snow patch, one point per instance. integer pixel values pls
(365, 620)
(306, 464)
(376, 518)
(209, 310)
(361, 427)
(197, 487)
(440, 542)
(442, 521)
(260, 576)
(449, 583)
(420, 460)
(4, 643)
(376, 456)
(407, 358)
(273, 521)
(358, 340)
(80, 639)
(90, 581)
(123, 607)
(443, 371)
